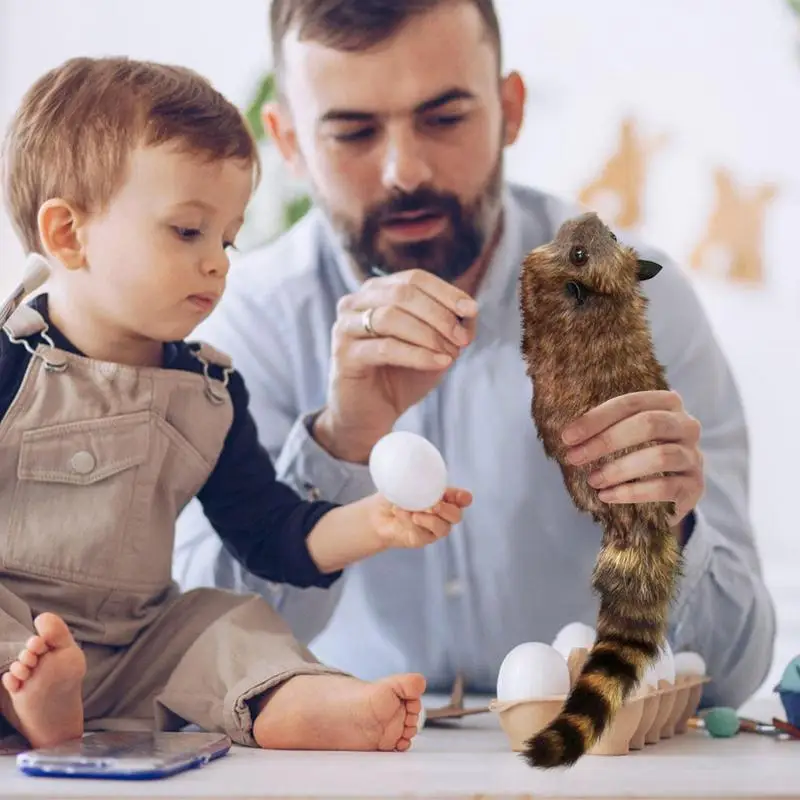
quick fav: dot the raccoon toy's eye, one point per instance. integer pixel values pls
(577, 292)
(578, 256)
(613, 236)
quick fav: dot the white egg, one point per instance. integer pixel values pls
(532, 670)
(574, 635)
(662, 670)
(408, 470)
(689, 663)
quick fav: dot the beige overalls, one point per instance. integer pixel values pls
(96, 462)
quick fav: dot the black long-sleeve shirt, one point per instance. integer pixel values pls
(262, 522)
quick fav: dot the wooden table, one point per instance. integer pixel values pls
(467, 759)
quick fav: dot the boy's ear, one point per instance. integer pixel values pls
(279, 126)
(59, 225)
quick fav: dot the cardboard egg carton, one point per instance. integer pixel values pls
(648, 717)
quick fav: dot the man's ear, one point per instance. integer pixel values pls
(648, 269)
(512, 98)
(59, 229)
(278, 124)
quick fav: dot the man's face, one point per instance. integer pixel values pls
(402, 144)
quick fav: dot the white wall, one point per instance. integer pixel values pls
(719, 78)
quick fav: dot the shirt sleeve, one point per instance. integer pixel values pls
(262, 522)
(723, 610)
(304, 463)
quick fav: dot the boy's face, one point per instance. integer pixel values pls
(156, 258)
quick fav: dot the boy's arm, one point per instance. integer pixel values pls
(263, 523)
(276, 535)
(345, 535)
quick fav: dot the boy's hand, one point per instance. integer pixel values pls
(356, 531)
(399, 528)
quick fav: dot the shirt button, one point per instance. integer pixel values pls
(82, 463)
(453, 588)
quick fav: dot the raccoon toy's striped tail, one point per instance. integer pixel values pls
(636, 585)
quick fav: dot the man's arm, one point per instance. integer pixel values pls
(723, 609)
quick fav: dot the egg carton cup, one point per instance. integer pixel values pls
(647, 718)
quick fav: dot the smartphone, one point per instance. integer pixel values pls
(125, 755)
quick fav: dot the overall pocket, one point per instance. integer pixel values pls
(76, 485)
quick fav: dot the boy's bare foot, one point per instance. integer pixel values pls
(336, 712)
(44, 701)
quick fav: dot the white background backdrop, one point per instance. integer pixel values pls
(721, 78)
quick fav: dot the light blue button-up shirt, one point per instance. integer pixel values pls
(519, 566)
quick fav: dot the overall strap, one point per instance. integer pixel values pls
(26, 322)
(207, 356)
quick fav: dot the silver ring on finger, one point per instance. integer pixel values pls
(366, 322)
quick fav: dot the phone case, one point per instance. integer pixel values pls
(125, 755)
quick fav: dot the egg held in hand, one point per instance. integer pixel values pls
(532, 670)
(408, 471)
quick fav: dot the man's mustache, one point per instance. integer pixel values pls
(419, 201)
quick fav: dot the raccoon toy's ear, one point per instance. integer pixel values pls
(648, 269)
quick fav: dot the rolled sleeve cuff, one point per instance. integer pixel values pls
(316, 473)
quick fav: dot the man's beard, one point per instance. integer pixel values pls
(448, 255)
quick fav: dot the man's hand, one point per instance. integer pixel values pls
(392, 342)
(657, 418)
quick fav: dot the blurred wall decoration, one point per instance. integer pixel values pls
(735, 234)
(732, 245)
(616, 193)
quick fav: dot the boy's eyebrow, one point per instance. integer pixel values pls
(196, 203)
(348, 115)
(203, 206)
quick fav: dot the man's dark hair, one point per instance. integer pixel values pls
(355, 25)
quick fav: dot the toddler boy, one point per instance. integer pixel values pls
(132, 179)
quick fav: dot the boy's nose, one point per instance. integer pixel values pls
(219, 264)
